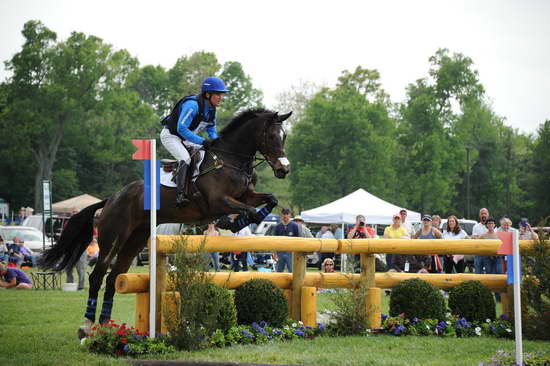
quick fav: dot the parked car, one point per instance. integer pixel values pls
(30, 235)
(467, 225)
(36, 221)
(265, 227)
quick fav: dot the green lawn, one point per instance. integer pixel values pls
(39, 328)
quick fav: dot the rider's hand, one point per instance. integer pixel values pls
(208, 143)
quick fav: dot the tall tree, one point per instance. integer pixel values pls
(345, 142)
(540, 180)
(295, 99)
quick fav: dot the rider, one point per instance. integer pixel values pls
(190, 116)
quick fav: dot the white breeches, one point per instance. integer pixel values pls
(176, 146)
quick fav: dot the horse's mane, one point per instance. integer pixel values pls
(241, 118)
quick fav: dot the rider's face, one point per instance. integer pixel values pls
(216, 99)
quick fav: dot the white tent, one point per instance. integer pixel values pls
(360, 202)
(75, 203)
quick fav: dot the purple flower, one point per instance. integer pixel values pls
(322, 327)
(125, 348)
(492, 328)
(415, 320)
(263, 324)
(504, 317)
(398, 330)
(299, 333)
(277, 331)
(384, 317)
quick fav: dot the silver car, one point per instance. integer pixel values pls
(30, 235)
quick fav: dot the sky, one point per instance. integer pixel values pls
(285, 42)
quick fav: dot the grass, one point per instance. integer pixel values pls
(39, 328)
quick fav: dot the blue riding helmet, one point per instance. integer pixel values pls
(213, 84)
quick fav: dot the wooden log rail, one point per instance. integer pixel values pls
(131, 283)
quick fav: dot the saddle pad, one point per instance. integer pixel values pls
(166, 177)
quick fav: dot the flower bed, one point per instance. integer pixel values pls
(451, 327)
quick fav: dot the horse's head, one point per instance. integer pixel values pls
(271, 142)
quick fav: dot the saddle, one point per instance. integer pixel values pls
(191, 189)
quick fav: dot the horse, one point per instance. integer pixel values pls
(226, 181)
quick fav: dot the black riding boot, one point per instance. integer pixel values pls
(181, 178)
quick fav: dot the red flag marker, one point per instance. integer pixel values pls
(506, 238)
(144, 150)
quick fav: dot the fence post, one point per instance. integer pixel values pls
(142, 311)
(309, 306)
(371, 293)
(162, 262)
(288, 296)
(298, 275)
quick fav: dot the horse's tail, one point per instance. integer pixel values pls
(74, 240)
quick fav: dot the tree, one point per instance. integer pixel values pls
(540, 187)
(296, 99)
(345, 141)
(56, 91)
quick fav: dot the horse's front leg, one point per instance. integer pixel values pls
(256, 199)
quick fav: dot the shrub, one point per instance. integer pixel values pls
(260, 300)
(350, 315)
(218, 302)
(417, 298)
(535, 297)
(473, 301)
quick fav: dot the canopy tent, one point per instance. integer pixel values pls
(360, 202)
(75, 203)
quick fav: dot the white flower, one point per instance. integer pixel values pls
(294, 325)
(448, 322)
(448, 315)
(509, 330)
(478, 331)
(488, 320)
(82, 341)
(427, 327)
(300, 322)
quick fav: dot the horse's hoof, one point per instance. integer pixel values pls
(82, 333)
(85, 329)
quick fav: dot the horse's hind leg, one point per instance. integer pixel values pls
(135, 243)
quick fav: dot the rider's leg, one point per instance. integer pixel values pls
(174, 145)
(236, 224)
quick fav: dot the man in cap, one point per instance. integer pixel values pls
(285, 228)
(304, 230)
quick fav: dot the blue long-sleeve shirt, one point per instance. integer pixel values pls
(189, 110)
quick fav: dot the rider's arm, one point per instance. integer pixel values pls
(212, 133)
(189, 109)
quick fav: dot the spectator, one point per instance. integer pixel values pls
(361, 230)
(212, 230)
(304, 230)
(478, 230)
(436, 222)
(14, 278)
(411, 263)
(285, 228)
(241, 257)
(327, 234)
(21, 253)
(454, 232)
(489, 263)
(80, 266)
(506, 225)
(93, 252)
(394, 231)
(405, 224)
(4, 253)
(337, 231)
(427, 231)
(328, 265)
(526, 232)
(321, 232)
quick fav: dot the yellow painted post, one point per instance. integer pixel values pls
(288, 295)
(507, 301)
(298, 275)
(162, 261)
(170, 301)
(374, 307)
(309, 306)
(142, 312)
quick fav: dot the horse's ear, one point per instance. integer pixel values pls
(282, 118)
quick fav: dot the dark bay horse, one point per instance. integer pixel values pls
(123, 225)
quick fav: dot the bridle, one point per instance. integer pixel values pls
(247, 167)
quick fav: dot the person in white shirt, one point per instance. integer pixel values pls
(454, 232)
(242, 257)
(478, 231)
(406, 225)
